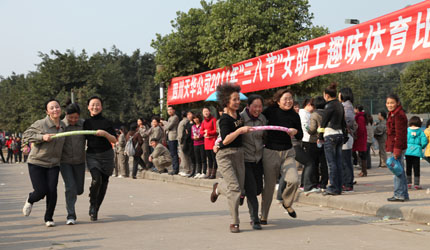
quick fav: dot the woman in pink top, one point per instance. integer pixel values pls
(199, 147)
(208, 130)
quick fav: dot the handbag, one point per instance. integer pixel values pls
(395, 166)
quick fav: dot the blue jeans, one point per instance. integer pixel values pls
(333, 154)
(400, 182)
(348, 170)
(173, 149)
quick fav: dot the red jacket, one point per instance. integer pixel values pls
(209, 125)
(397, 131)
(8, 143)
(360, 142)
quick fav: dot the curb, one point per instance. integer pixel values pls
(403, 211)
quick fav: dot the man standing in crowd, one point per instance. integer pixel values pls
(2, 143)
(172, 131)
(381, 136)
(160, 157)
(185, 159)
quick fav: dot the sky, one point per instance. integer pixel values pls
(28, 27)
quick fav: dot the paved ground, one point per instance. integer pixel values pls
(148, 214)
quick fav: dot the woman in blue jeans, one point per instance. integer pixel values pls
(396, 144)
(332, 131)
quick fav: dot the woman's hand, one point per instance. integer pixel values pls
(292, 132)
(244, 130)
(215, 149)
(101, 133)
(47, 137)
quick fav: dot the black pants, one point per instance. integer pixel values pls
(137, 160)
(44, 181)
(2, 156)
(9, 155)
(321, 169)
(253, 187)
(412, 162)
(309, 174)
(98, 187)
(200, 155)
(210, 155)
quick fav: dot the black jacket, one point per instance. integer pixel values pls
(334, 117)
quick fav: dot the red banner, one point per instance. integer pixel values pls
(397, 37)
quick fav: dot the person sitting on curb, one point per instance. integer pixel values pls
(160, 157)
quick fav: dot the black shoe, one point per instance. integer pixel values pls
(256, 225)
(395, 199)
(263, 222)
(134, 177)
(93, 213)
(329, 193)
(242, 198)
(173, 173)
(292, 214)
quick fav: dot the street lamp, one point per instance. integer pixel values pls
(159, 68)
(352, 21)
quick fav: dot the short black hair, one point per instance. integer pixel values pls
(308, 101)
(254, 97)
(73, 108)
(428, 123)
(383, 114)
(224, 92)
(359, 107)
(154, 139)
(50, 100)
(346, 95)
(155, 118)
(394, 96)
(199, 116)
(319, 102)
(415, 121)
(94, 97)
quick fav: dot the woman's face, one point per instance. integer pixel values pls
(95, 107)
(72, 119)
(139, 122)
(206, 112)
(255, 108)
(196, 120)
(286, 102)
(310, 108)
(190, 116)
(53, 109)
(234, 102)
(391, 104)
(154, 123)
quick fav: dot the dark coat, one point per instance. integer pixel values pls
(397, 131)
(360, 141)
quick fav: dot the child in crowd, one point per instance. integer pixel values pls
(417, 141)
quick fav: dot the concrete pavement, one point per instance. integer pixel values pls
(155, 215)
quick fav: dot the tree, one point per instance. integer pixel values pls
(415, 87)
(222, 33)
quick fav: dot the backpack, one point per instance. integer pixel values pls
(130, 150)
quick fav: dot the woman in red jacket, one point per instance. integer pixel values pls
(397, 130)
(208, 130)
(360, 140)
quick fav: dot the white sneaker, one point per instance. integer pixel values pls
(203, 176)
(50, 224)
(26, 210)
(197, 176)
(71, 222)
(313, 190)
(120, 176)
(181, 173)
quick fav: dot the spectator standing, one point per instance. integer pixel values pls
(360, 140)
(417, 141)
(171, 129)
(208, 130)
(9, 141)
(2, 143)
(333, 133)
(370, 135)
(44, 160)
(185, 162)
(380, 133)
(72, 164)
(317, 150)
(199, 147)
(396, 144)
(124, 168)
(346, 97)
(137, 141)
(142, 125)
(427, 133)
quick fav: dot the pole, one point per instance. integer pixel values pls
(161, 98)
